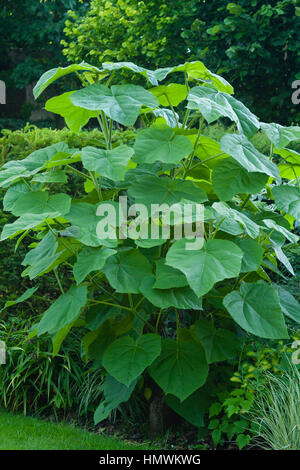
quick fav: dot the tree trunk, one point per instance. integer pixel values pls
(157, 414)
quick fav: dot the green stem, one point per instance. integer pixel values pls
(58, 281)
(111, 305)
(186, 118)
(206, 160)
(217, 228)
(80, 173)
(191, 158)
(28, 186)
(158, 320)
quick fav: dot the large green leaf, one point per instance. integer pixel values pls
(126, 270)
(287, 199)
(207, 148)
(256, 308)
(171, 118)
(230, 178)
(39, 158)
(196, 70)
(149, 74)
(181, 367)
(63, 311)
(218, 344)
(168, 277)
(244, 152)
(89, 260)
(289, 305)
(54, 74)
(252, 254)
(214, 104)
(181, 297)
(13, 170)
(215, 261)
(279, 135)
(122, 103)
(108, 163)
(115, 393)
(164, 191)
(163, 145)
(171, 94)
(41, 258)
(25, 222)
(52, 176)
(233, 221)
(39, 202)
(281, 256)
(83, 216)
(12, 194)
(76, 118)
(272, 226)
(210, 103)
(125, 359)
(289, 167)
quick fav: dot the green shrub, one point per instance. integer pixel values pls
(253, 44)
(18, 145)
(21, 143)
(158, 312)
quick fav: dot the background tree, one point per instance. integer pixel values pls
(30, 36)
(254, 44)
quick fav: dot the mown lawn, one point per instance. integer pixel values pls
(18, 432)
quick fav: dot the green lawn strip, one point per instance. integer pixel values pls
(19, 432)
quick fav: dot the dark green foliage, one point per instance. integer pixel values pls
(30, 33)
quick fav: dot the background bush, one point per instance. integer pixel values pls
(253, 44)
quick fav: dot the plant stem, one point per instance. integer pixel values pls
(80, 173)
(190, 159)
(58, 281)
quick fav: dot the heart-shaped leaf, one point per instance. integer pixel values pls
(287, 199)
(125, 359)
(215, 261)
(256, 308)
(244, 152)
(218, 344)
(108, 163)
(181, 368)
(230, 178)
(126, 270)
(279, 135)
(122, 103)
(164, 191)
(181, 297)
(63, 311)
(89, 260)
(163, 145)
(76, 118)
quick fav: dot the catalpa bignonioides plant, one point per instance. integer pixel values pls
(150, 306)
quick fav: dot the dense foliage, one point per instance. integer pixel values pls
(254, 44)
(30, 33)
(159, 316)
